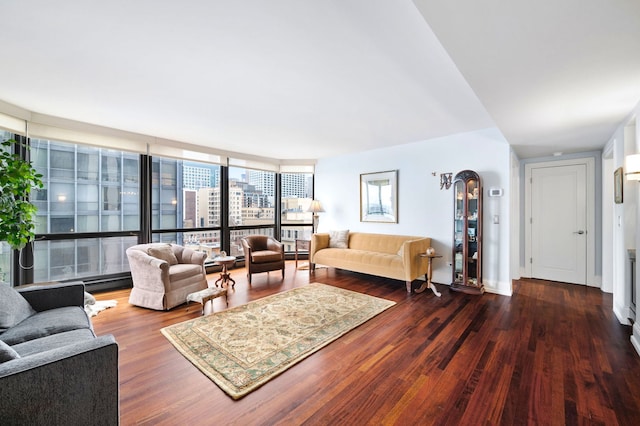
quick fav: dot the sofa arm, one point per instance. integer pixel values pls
(318, 242)
(74, 384)
(51, 296)
(414, 264)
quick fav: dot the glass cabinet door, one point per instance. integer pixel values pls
(467, 238)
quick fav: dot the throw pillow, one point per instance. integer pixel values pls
(7, 353)
(13, 307)
(164, 253)
(339, 239)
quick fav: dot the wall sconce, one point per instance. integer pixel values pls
(632, 166)
(315, 208)
(445, 180)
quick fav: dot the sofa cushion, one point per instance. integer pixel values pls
(14, 308)
(265, 256)
(339, 239)
(46, 323)
(163, 252)
(53, 341)
(7, 353)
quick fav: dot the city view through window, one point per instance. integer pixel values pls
(90, 210)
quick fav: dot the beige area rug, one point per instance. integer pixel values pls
(242, 348)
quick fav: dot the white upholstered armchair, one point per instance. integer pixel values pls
(164, 274)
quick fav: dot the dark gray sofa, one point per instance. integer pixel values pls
(53, 368)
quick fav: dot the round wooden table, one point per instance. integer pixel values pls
(224, 279)
(427, 276)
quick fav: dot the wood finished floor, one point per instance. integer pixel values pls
(551, 354)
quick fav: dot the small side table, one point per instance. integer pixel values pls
(224, 279)
(304, 245)
(427, 277)
(203, 296)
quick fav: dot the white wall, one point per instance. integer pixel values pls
(424, 209)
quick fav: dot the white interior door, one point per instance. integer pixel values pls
(559, 223)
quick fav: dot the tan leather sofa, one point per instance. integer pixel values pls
(391, 256)
(164, 274)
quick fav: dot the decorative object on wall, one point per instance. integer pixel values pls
(445, 180)
(315, 207)
(379, 197)
(618, 185)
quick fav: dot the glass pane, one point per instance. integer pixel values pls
(459, 229)
(185, 194)
(5, 262)
(236, 235)
(289, 235)
(85, 189)
(251, 197)
(72, 259)
(296, 189)
(5, 250)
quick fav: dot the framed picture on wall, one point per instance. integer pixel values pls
(617, 185)
(379, 197)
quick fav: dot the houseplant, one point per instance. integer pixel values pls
(17, 215)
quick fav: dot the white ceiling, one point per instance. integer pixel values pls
(292, 79)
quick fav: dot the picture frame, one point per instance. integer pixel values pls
(379, 197)
(618, 185)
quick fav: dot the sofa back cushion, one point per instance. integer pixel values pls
(381, 243)
(339, 239)
(13, 307)
(163, 252)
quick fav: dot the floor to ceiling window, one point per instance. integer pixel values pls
(251, 205)
(5, 250)
(296, 196)
(86, 210)
(97, 201)
(186, 204)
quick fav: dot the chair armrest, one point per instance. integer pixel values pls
(414, 264)
(51, 296)
(147, 271)
(74, 384)
(318, 242)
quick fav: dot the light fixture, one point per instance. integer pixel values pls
(315, 208)
(632, 167)
(62, 198)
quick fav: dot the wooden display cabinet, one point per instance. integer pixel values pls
(467, 233)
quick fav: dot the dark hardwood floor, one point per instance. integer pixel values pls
(551, 354)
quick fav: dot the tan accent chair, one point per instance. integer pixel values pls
(164, 274)
(262, 254)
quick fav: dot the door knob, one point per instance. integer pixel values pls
(580, 232)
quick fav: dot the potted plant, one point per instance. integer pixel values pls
(17, 215)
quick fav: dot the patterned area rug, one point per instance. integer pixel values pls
(242, 348)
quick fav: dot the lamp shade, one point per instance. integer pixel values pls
(315, 207)
(632, 166)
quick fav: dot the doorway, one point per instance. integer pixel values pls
(559, 221)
